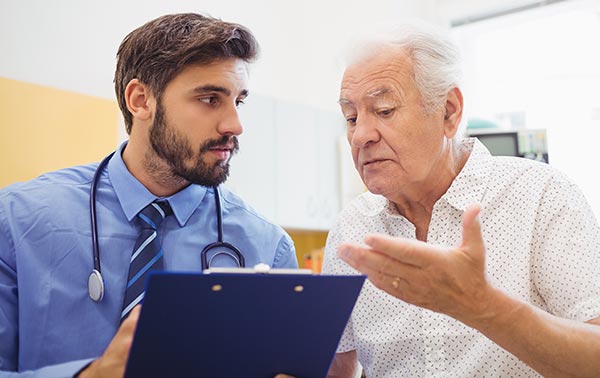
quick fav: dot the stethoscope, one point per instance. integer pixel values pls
(208, 254)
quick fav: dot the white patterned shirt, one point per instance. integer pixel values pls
(542, 246)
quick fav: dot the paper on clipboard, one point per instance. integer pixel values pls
(241, 325)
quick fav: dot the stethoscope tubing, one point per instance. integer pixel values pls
(95, 279)
(93, 216)
(220, 243)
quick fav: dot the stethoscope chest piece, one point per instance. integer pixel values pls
(96, 286)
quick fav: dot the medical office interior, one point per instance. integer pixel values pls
(531, 73)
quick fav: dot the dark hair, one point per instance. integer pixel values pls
(156, 52)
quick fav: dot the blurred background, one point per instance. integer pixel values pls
(531, 79)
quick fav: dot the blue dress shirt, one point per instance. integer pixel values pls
(49, 327)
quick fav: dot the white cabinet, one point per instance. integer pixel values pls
(307, 166)
(288, 165)
(329, 128)
(252, 169)
(297, 163)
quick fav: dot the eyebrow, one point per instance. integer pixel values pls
(375, 93)
(379, 92)
(344, 101)
(217, 88)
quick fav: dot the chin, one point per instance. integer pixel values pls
(380, 187)
(375, 189)
(374, 183)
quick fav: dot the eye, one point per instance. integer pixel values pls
(386, 112)
(350, 114)
(210, 100)
(239, 102)
(350, 121)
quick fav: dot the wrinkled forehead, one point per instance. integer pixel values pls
(380, 73)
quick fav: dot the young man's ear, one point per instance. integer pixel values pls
(139, 99)
(454, 110)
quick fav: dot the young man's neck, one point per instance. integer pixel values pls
(151, 171)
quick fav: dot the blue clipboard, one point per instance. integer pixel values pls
(241, 325)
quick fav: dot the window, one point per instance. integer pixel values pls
(540, 69)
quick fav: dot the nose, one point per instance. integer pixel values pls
(363, 133)
(230, 123)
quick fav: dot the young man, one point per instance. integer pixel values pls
(179, 82)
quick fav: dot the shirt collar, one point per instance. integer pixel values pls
(133, 195)
(470, 185)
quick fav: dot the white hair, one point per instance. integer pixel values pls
(435, 57)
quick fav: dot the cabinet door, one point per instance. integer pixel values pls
(329, 128)
(288, 164)
(252, 172)
(296, 165)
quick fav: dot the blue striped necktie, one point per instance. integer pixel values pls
(147, 254)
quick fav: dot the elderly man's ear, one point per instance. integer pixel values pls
(454, 107)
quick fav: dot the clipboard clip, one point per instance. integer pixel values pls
(260, 268)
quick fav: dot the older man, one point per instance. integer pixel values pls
(479, 266)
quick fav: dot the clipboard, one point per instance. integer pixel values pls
(240, 325)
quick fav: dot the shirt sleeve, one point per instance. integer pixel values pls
(65, 370)
(9, 302)
(285, 256)
(9, 317)
(566, 252)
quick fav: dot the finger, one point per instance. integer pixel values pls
(361, 258)
(472, 239)
(380, 269)
(407, 251)
(283, 376)
(391, 284)
(135, 314)
(130, 322)
(123, 339)
(383, 272)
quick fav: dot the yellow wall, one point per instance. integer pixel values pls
(44, 129)
(307, 241)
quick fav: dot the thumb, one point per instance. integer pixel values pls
(472, 239)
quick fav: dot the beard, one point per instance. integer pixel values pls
(176, 150)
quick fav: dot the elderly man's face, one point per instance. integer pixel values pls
(397, 147)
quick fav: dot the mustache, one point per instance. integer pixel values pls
(224, 141)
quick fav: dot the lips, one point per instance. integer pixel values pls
(228, 147)
(222, 152)
(373, 161)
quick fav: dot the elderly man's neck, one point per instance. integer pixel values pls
(416, 202)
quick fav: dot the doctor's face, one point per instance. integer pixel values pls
(196, 121)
